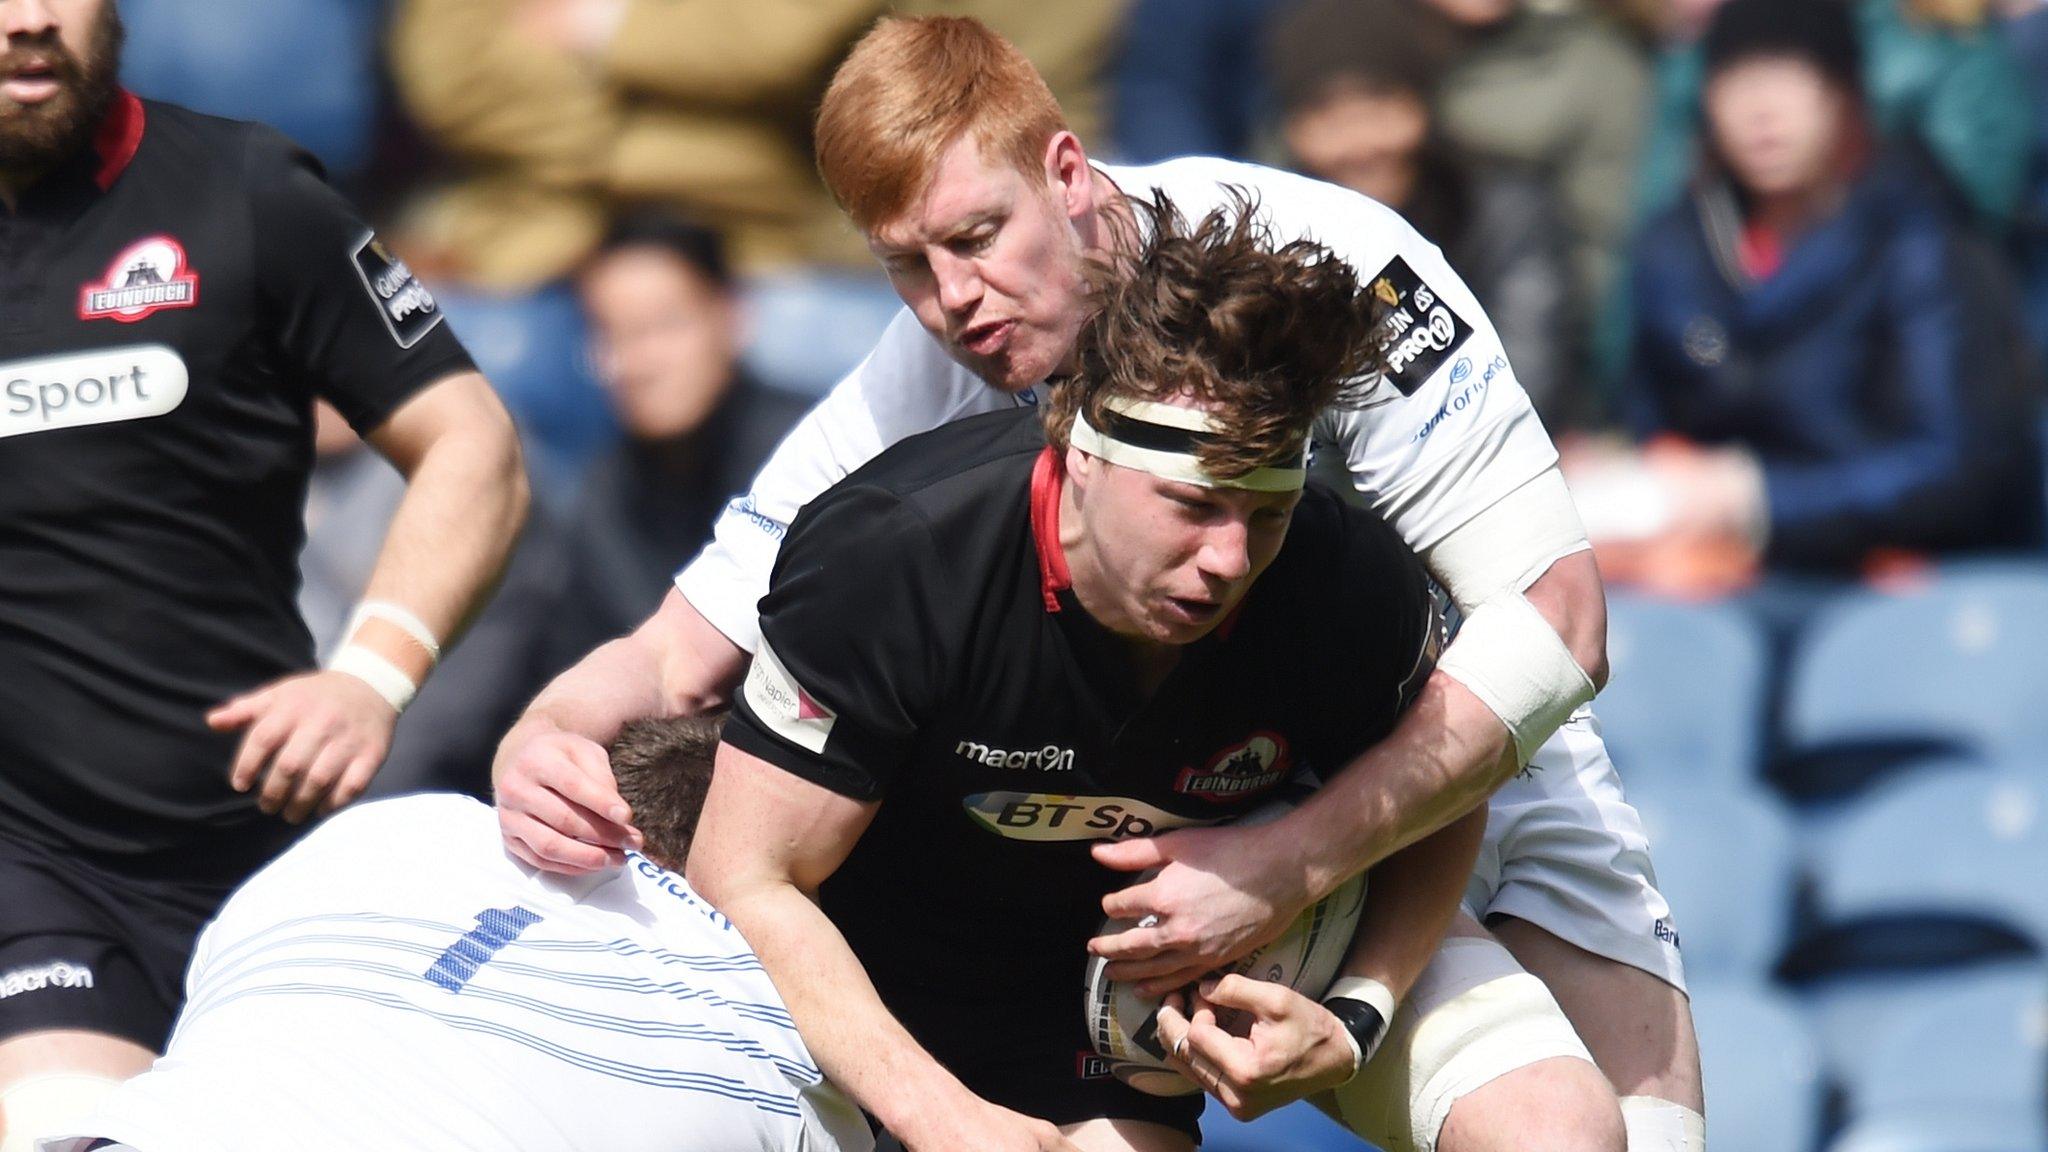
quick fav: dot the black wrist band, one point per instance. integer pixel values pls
(1363, 1021)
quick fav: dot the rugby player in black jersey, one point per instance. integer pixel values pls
(1006, 639)
(175, 290)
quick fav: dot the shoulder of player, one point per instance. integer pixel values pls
(930, 469)
(1329, 536)
(930, 494)
(185, 137)
(1296, 206)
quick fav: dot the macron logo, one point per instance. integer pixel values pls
(1050, 758)
(783, 705)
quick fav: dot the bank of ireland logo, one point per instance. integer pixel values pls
(147, 277)
(1258, 763)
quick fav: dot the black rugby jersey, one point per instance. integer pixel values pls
(921, 648)
(170, 303)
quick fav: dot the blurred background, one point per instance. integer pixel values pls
(1775, 283)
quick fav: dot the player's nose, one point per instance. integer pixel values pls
(958, 283)
(1226, 552)
(28, 17)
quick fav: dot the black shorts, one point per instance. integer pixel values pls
(100, 943)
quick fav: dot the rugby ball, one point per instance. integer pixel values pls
(1124, 1026)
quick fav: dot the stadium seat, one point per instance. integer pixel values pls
(1967, 844)
(307, 67)
(532, 348)
(1851, 1013)
(1761, 1068)
(1980, 1048)
(1948, 1132)
(1727, 863)
(1684, 698)
(1959, 665)
(1295, 1128)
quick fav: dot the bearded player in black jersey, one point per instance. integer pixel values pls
(175, 290)
(1008, 638)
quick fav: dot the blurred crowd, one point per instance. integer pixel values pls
(1775, 285)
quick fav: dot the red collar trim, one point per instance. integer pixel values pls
(1046, 480)
(119, 135)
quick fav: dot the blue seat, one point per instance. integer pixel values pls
(1852, 1013)
(1684, 699)
(1728, 864)
(1946, 1132)
(1960, 664)
(1970, 844)
(1980, 1047)
(1761, 1068)
(532, 348)
(1295, 1128)
(307, 67)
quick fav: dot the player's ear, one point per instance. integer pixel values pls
(1068, 176)
(1081, 467)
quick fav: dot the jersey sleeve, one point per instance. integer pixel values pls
(1390, 616)
(849, 660)
(905, 386)
(350, 319)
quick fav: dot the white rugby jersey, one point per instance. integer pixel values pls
(1446, 431)
(397, 981)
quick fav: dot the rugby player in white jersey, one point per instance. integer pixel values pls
(396, 980)
(947, 151)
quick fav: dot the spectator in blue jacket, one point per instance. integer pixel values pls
(1839, 366)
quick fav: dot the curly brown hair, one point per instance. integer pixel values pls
(663, 770)
(1261, 336)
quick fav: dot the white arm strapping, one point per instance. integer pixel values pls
(385, 678)
(1506, 653)
(399, 617)
(1510, 657)
(1510, 544)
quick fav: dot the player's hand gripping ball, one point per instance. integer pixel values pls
(1124, 1025)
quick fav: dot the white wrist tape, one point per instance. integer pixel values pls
(398, 616)
(1367, 991)
(1510, 544)
(1510, 657)
(1655, 1125)
(385, 678)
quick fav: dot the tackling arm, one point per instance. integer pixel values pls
(1532, 650)
(557, 804)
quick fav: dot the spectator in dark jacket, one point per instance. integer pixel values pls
(1355, 80)
(666, 332)
(1813, 331)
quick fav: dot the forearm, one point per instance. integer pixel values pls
(448, 542)
(465, 501)
(1413, 895)
(676, 663)
(618, 682)
(1449, 753)
(858, 1044)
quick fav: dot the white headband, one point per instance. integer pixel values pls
(1162, 438)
